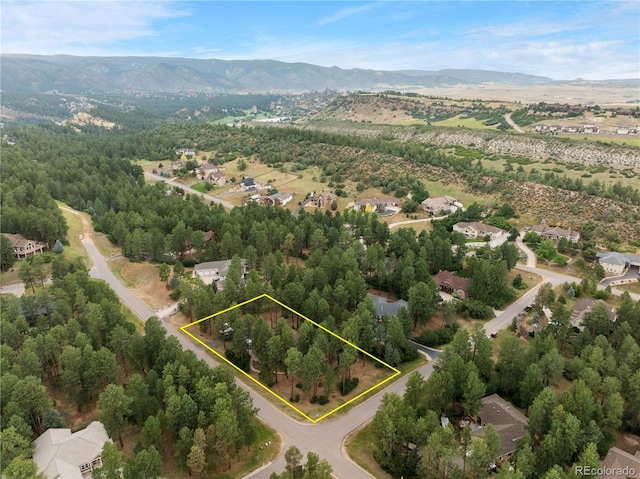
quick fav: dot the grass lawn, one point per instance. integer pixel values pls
(75, 248)
(201, 187)
(631, 287)
(627, 140)
(359, 446)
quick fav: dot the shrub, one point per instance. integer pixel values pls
(314, 399)
(239, 359)
(347, 386)
(322, 400)
(175, 295)
(437, 337)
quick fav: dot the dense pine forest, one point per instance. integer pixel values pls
(73, 336)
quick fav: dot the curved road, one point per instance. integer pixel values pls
(207, 197)
(326, 438)
(512, 123)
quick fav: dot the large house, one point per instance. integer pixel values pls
(478, 230)
(23, 247)
(617, 263)
(584, 306)
(619, 463)
(324, 199)
(280, 198)
(60, 454)
(212, 173)
(376, 204)
(249, 184)
(187, 152)
(441, 205)
(556, 233)
(452, 284)
(217, 271)
(510, 424)
(383, 306)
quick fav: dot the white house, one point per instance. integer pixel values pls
(441, 205)
(615, 263)
(478, 230)
(60, 454)
(217, 271)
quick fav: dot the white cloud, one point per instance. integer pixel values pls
(347, 12)
(53, 27)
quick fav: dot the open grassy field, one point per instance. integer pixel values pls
(464, 122)
(627, 140)
(359, 445)
(75, 248)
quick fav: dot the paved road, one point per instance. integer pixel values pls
(207, 197)
(326, 438)
(532, 260)
(512, 123)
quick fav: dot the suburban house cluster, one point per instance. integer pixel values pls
(586, 129)
(24, 248)
(212, 174)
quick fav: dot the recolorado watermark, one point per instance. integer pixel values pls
(604, 471)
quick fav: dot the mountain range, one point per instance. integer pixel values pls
(78, 75)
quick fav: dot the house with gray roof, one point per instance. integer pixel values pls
(555, 233)
(510, 424)
(217, 271)
(390, 308)
(586, 305)
(615, 263)
(61, 454)
(619, 463)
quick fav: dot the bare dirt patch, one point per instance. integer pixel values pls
(143, 280)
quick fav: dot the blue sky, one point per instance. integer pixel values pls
(561, 40)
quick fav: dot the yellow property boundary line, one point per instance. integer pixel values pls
(396, 371)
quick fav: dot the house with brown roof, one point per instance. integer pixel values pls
(60, 454)
(476, 229)
(452, 284)
(586, 305)
(556, 233)
(24, 247)
(324, 199)
(618, 464)
(205, 170)
(441, 205)
(510, 424)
